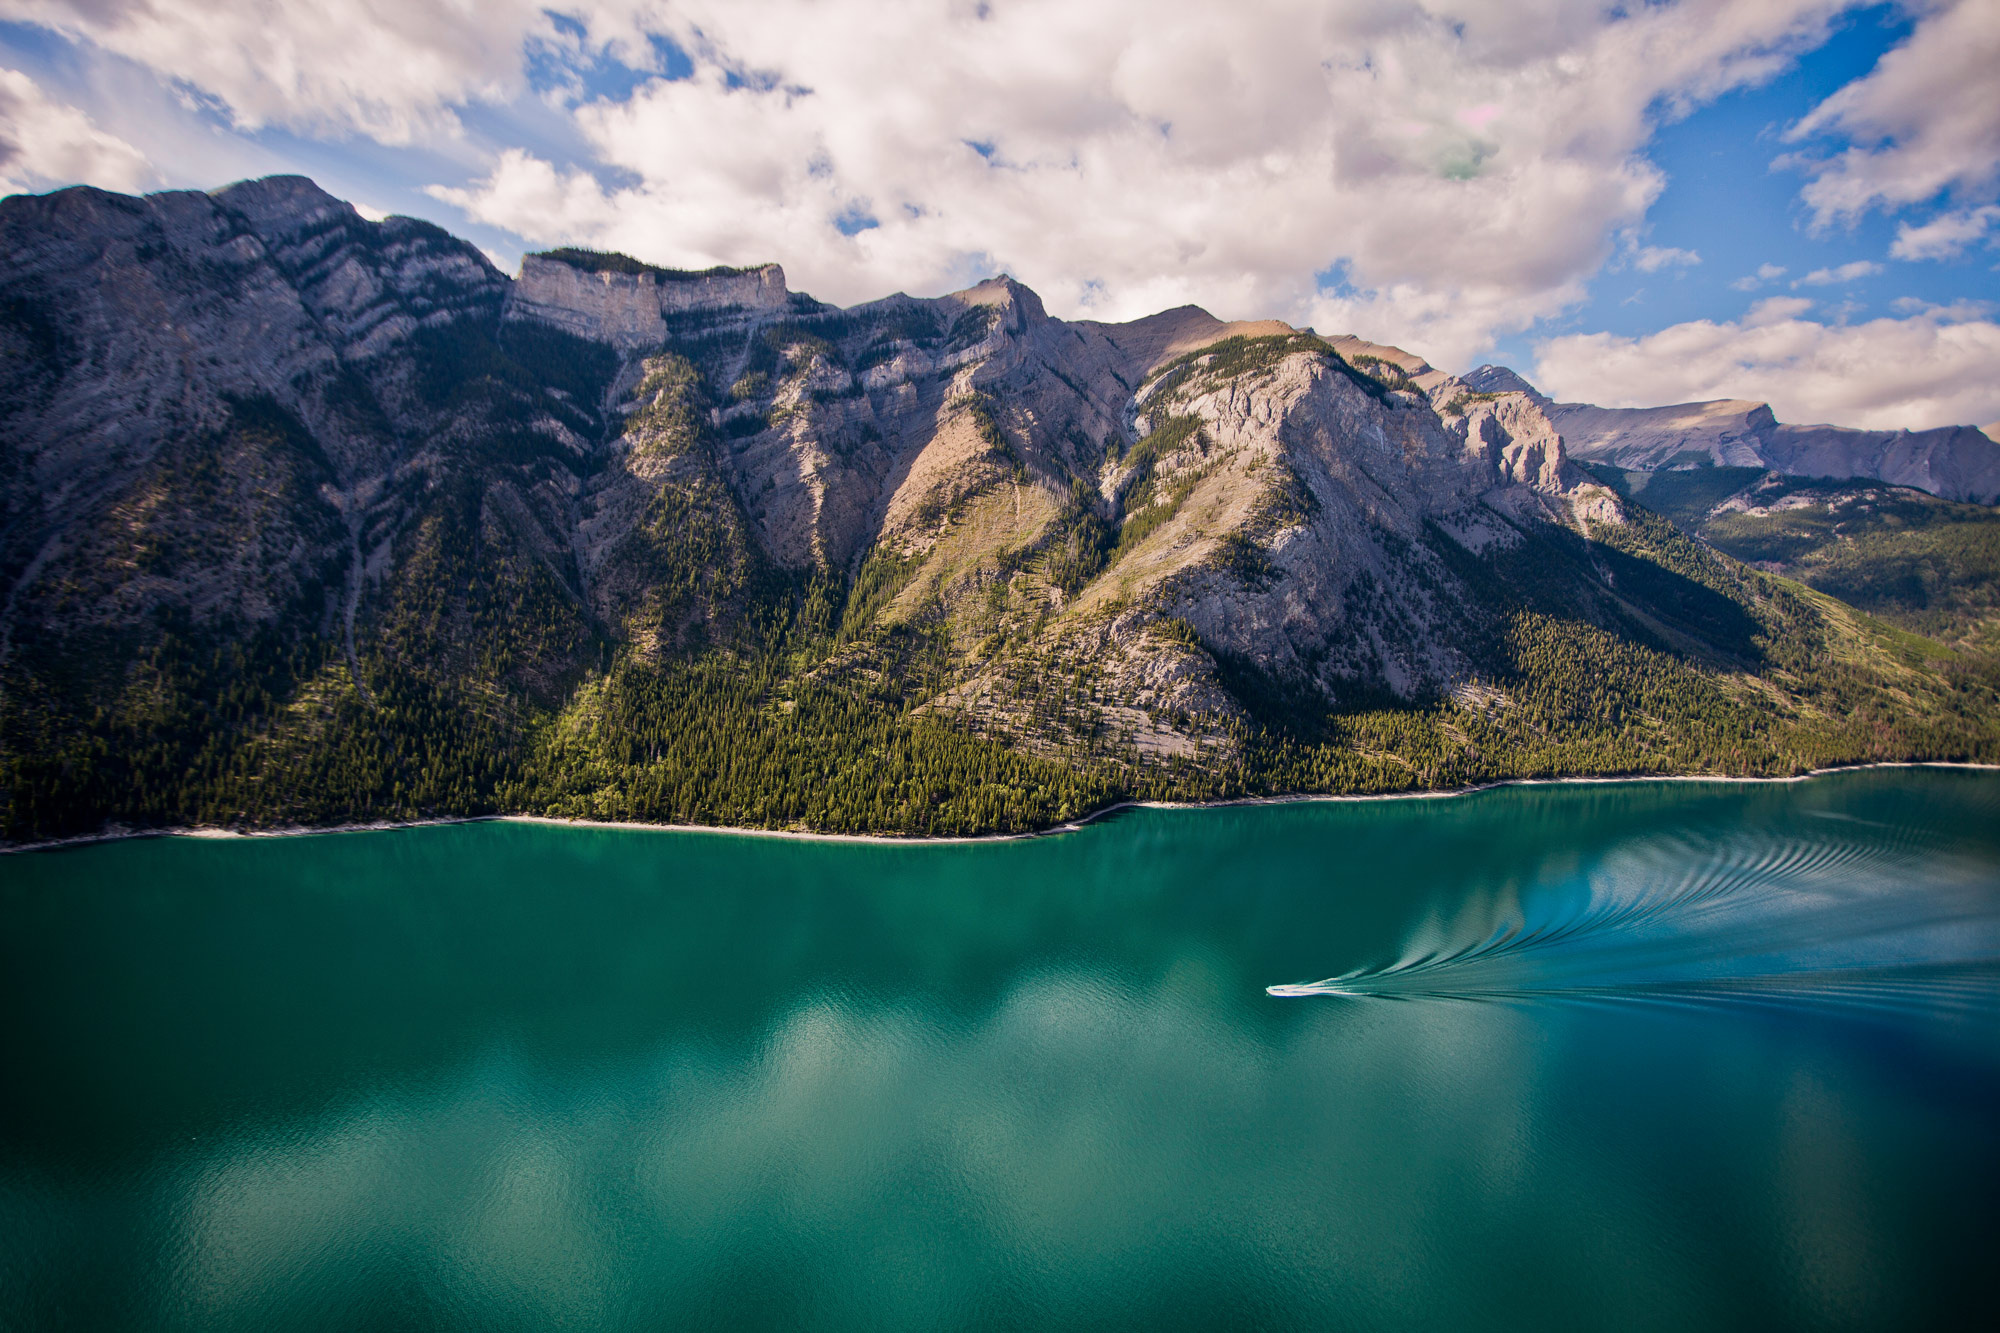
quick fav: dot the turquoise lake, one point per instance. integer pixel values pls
(1634, 1056)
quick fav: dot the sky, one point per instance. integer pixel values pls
(1631, 203)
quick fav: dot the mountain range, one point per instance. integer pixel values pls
(1955, 462)
(307, 519)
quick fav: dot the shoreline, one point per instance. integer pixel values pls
(1077, 825)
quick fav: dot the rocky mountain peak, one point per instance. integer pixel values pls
(1495, 379)
(283, 205)
(1022, 305)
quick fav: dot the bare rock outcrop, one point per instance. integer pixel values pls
(629, 307)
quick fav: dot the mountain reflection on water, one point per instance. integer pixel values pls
(1735, 1064)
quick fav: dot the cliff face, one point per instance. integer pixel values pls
(631, 311)
(1954, 462)
(198, 390)
(1727, 433)
(260, 455)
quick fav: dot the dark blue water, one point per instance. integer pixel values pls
(1639, 1056)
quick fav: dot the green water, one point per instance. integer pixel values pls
(1673, 1056)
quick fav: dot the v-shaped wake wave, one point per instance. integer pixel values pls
(1865, 914)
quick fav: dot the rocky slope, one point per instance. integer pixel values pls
(310, 518)
(1954, 462)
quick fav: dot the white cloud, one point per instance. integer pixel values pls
(527, 196)
(388, 69)
(1925, 119)
(44, 144)
(1765, 273)
(1776, 309)
(1827, 277)
(1945, 236)
(1940, 367)
(1466, 166)
(1653, 258)
(1963, 309)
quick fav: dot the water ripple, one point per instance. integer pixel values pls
(1868, 915)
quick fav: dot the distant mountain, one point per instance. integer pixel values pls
(1955, 462)
(305, 519)
(1926, 565)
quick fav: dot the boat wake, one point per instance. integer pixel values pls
(1862, 913)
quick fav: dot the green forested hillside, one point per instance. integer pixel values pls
(1701, 665)
(1925, 565)
(921, 567)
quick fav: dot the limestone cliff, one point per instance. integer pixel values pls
(630, 307)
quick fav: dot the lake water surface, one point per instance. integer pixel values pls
(1636, 1056)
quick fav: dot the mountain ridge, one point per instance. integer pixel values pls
(1952, 462)
(309, 519)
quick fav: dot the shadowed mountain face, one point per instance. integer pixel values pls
(308, 518)
(1927, 565)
